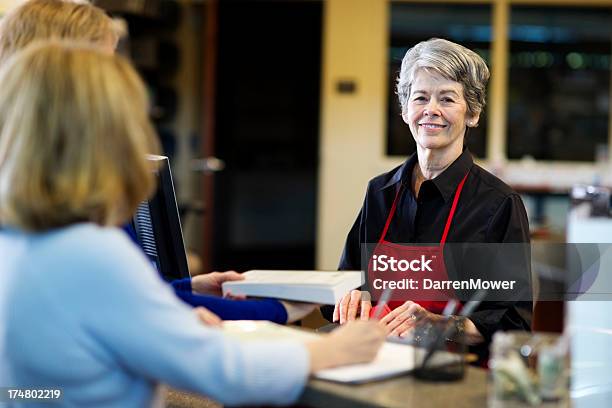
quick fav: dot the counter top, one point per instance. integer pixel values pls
(404, 391)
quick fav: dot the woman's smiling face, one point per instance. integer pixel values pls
(437, 112)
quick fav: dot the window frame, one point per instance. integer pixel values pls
(556, 176)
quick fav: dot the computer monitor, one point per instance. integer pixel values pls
(158, 227)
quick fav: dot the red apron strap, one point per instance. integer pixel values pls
(391, 214)
(449, 220)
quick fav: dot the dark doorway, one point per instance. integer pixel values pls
(267, 132)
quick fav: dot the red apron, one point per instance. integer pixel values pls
(412, 265)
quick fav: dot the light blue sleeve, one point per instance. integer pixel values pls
(136, 317)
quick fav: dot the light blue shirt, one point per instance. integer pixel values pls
(81, 309)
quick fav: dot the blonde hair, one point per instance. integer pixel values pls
(60, 19)
(74, 138)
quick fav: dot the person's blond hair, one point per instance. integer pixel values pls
(61, 19)
(74, 138)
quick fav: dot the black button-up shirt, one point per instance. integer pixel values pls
(488, 211)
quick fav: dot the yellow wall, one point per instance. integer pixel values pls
(352, 125)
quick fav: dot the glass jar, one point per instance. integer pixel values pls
(528, 369)
(439, 349)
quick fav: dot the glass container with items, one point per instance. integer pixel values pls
(529, 369)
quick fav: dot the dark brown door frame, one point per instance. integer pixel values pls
(209, 55)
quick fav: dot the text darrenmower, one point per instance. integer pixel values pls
(471, 284)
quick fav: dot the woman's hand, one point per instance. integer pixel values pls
(353, 304)
(400, 321)
(357, 342)
(207, 317)
(210, 283)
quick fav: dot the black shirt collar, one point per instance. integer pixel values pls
(403, 173)
(446, 183)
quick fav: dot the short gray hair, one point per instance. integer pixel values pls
(451, 61)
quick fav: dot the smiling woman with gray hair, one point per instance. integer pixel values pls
(437, 196)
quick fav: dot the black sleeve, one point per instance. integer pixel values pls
(508, 226)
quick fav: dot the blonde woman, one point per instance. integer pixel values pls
(82, 308)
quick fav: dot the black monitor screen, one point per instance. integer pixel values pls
(158, 227)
